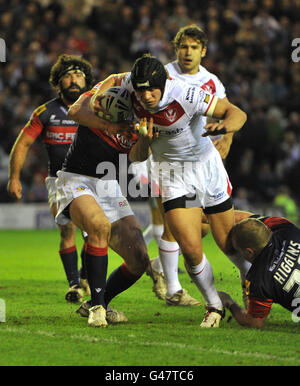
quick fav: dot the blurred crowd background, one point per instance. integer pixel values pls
(249, 49)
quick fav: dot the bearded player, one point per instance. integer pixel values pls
(70, 76)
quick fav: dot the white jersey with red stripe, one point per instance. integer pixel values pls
(176, 120)
(203, 78)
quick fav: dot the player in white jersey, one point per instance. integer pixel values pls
(190, 46)
(171, 110)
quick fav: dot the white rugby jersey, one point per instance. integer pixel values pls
(176, 120)
(206, 80)
(203, 78)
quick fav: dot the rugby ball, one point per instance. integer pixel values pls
(117, 102)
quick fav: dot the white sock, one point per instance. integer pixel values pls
(157, 232)
(148, 234)
(202, 275)
(169, 254)
(242, 264)
(156, 264)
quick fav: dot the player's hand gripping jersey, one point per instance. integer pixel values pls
(275, 274)
(57, 131)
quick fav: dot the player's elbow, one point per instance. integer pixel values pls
(244, 116)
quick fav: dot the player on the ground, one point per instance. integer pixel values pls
(70, 76)
(170, 109)
(95, 203)
(272, 246)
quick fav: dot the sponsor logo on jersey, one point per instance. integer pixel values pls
(168, 132)
(209, 87)
(171, 115)
(81, 188)
(123, 204)
(190, 94)
(60, 137)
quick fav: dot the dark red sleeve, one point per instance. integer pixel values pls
(34, 126)
(259, 308)
(274, 222)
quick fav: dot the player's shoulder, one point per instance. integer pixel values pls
(211, 81)
(47, 106)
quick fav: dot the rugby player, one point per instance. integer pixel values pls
(70, 76)
(170, 108)
(190, 45)
(272, 246)
(95, 203)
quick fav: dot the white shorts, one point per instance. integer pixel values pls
(144, 173)
(51, 187)
(107, 193)
(207, 179)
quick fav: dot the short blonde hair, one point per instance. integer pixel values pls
(192, 31)
(250, 233)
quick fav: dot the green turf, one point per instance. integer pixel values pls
(42, 329)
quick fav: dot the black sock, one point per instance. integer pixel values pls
(119, 280)
(69, 259)
(96, 267)
(83, 274)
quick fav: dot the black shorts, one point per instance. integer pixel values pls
(181, 202)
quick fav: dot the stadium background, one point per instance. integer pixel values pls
(249, 48)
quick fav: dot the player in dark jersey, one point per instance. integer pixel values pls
(70, 76)
(272, 246)
(97, 206)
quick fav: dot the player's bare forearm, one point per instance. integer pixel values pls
(81, 112)
(239, 314)
(112, 80)
(233, 119)
(18, 154)
(16, 161)
(245, 319)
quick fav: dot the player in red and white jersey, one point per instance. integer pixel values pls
(190, 46)
(170, 107)
(70, 76)
(272, 246)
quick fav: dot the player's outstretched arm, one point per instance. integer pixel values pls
(239, 314)
(81, 112)
(233, 118)
(16, 161)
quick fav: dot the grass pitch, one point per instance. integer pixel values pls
(42, 329)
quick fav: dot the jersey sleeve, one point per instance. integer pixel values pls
(93, 90)
(206, 103)
(274, 223)
(194, 100)
(259, 308)
(34, 126)
(220, 89)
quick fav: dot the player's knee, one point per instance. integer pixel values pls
(67, 233)
(99, 228)
(139, 256)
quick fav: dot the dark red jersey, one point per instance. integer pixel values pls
(274, 277)
(92, 147)
(57, 131)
